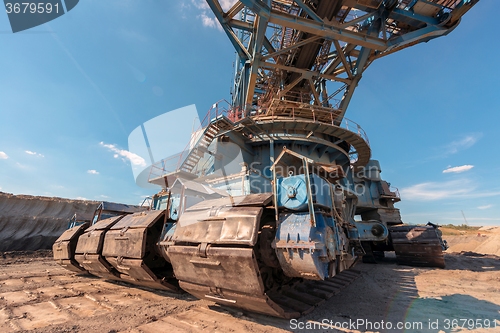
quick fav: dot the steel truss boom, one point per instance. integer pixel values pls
(297, 50)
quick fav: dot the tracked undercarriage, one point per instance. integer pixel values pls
(234, 265)
(280, 253)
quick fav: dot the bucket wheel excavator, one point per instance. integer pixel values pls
(277, 196)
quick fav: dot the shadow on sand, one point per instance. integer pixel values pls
(386, 299)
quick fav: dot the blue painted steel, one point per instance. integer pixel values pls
(305, 250)
(175, 202)
(292, 192)
(168, 231)
(160, 202)
(369, 231)
(74, 223)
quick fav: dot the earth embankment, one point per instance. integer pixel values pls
(33, 222)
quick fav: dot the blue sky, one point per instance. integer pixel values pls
(72, 90)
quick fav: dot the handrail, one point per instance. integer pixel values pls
(221, 108)
(280, 108)
(395, 190)
(304, 111)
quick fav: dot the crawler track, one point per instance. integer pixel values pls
(220, 259)
(418, 246)
(289, 301)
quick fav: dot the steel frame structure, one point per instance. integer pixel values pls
(299, 50)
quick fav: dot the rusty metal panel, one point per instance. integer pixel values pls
(261, 304)
(219, 225)
(162, 285)
(408, 234)
(419, 250)
(127, 238)
(71, 265)
(64, 247)
(122, 208)
(96, 265)
(130, 243)
(417, 246)
(134, 268)
(62, 250)
(105, 224)
(226, 268)
(260, 200)
(93, 238)
(139, 220)
(72, 233)
(425, 8)
(370, 3)
(90, 242)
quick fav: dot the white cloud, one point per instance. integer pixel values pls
(93, 172)
(458, 169)
(457, 189)
(464, 143)
(200, 4)
(125, 154)
(3, 156)
(227, 4)
(81, 198)
(22, 166)
(433, 191)
(207, 21)
(485, 207)
(206, 15)
(133, 36)
(34, 153)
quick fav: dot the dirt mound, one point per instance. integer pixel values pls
(486, 241)
(32, 223)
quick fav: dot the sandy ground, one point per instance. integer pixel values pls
(38, 295)
(485, 240)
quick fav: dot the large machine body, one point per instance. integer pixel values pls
(276, 197)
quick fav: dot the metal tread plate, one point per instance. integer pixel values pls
(96, 265)
(65, 246)
(105, 224)
(139, 220)
(228, 225)
(239, 283)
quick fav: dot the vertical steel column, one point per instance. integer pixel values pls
(310, 203)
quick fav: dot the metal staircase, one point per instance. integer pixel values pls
(185, 164)
(201, 146)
